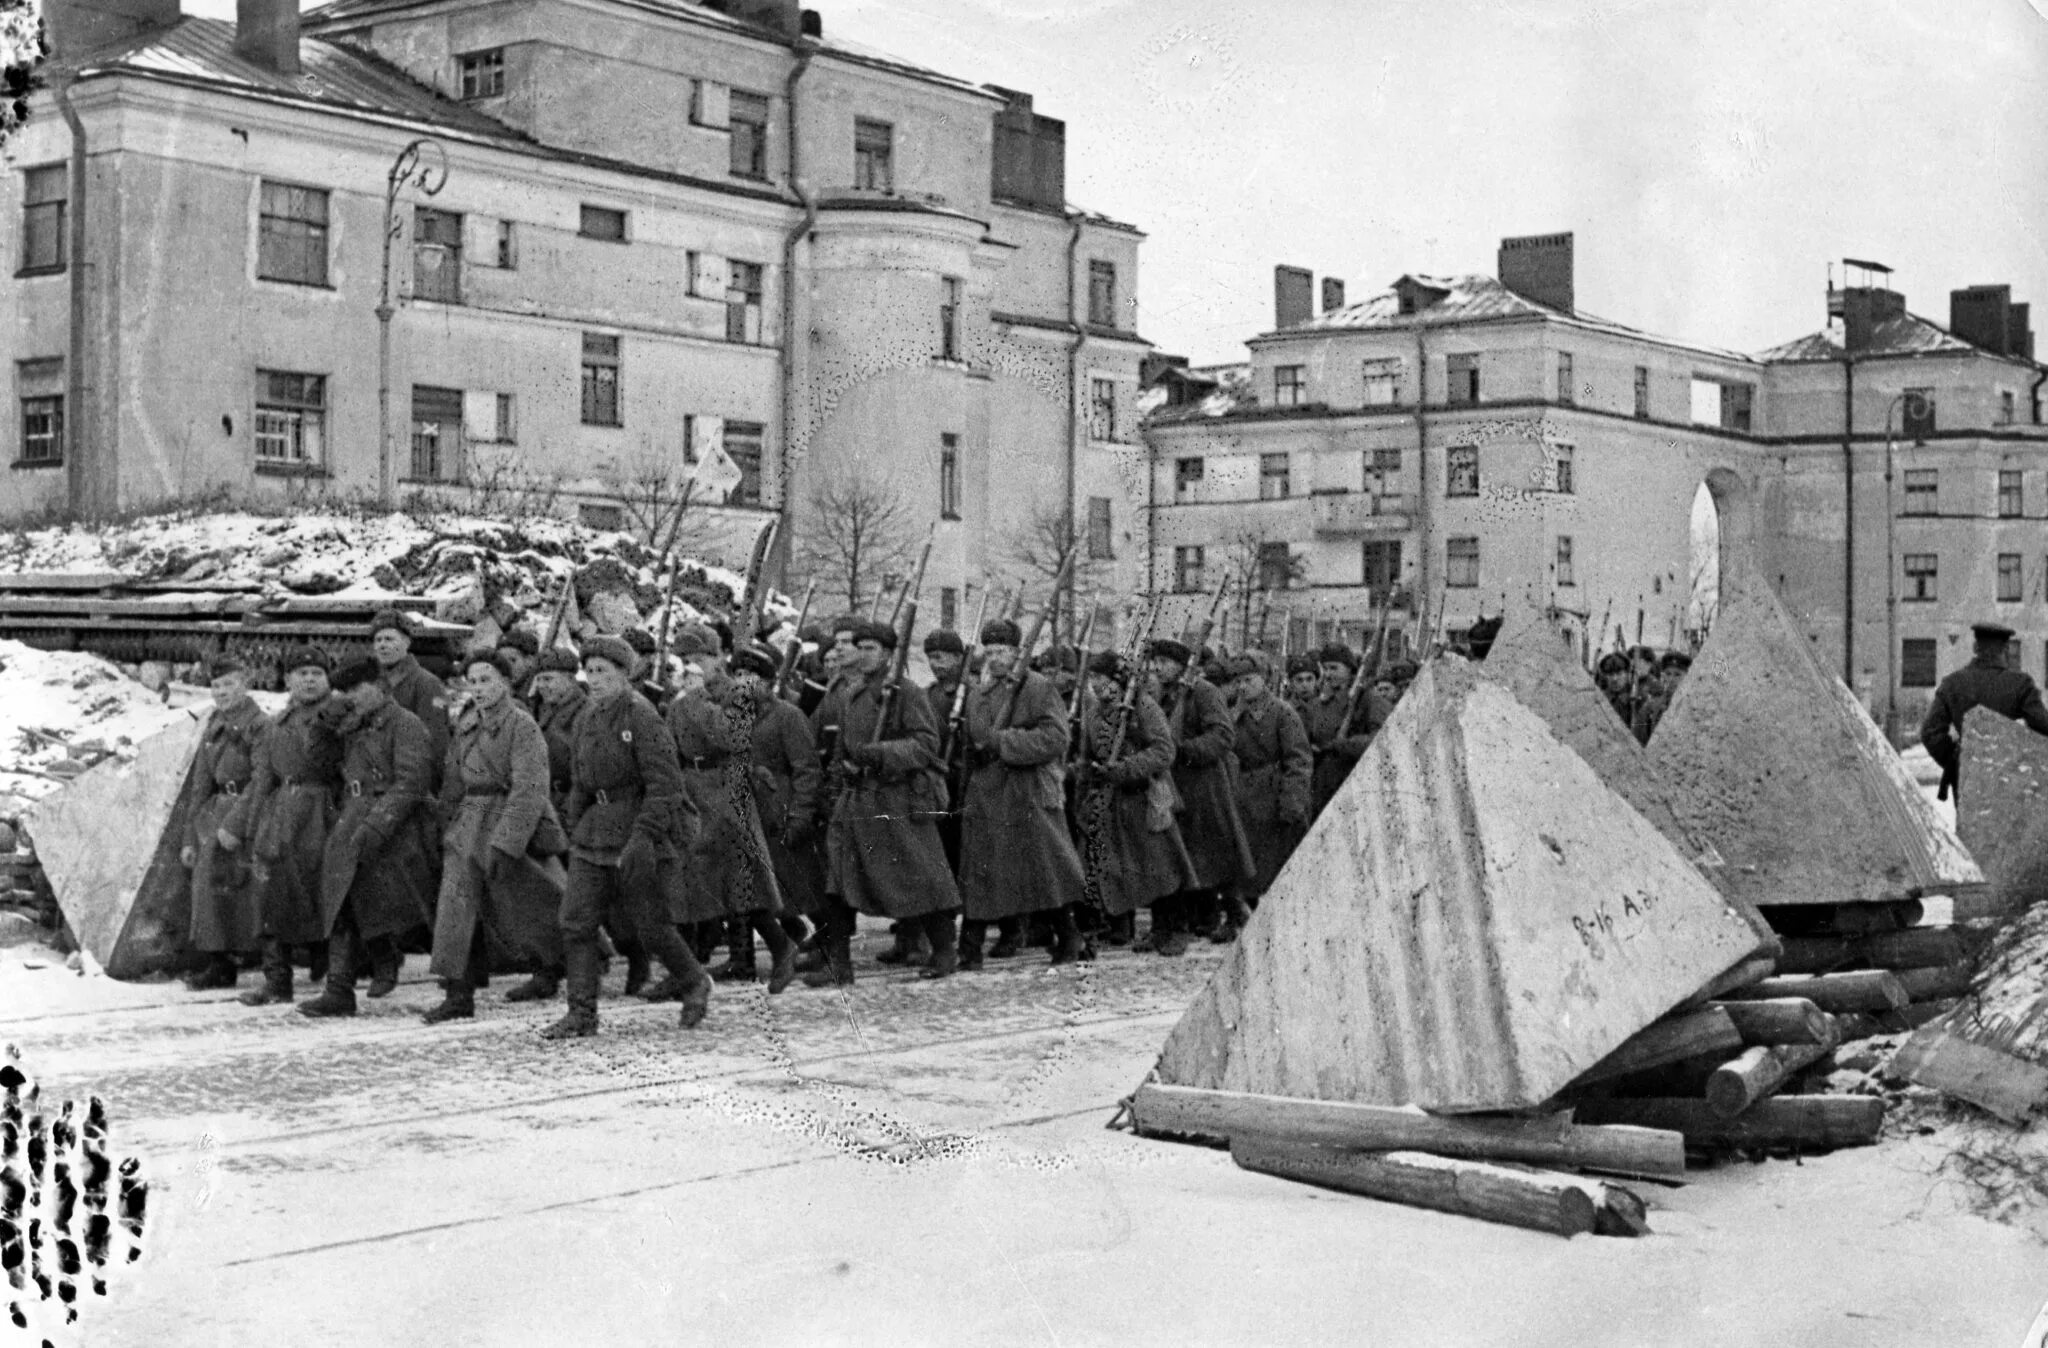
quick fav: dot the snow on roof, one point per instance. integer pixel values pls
(1899, 335)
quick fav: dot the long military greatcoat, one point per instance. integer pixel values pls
(729, 870)
(1016, 856)
(1322, 716)
(557, 721)
(1130, 842)
(425, 696)
(626, 789)
(1274, 763)
(786, 779)
(383, 853)
(284, 817)
(1203, 741)
(882, 850)
(494, 795)
(227, 912)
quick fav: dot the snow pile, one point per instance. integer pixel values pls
(63, 711)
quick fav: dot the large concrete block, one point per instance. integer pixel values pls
(2002, 810)
(1474, 921)
(1773, 762)
(109, 843)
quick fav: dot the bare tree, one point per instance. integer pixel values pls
(1258, 577)
(858, 534)
(1032, 551)
(658, 496)
(24, 47)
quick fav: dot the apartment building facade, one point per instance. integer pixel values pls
(619, 236)
(1455, 444)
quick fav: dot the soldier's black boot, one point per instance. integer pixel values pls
(277, 977)
(582, 959)
(1236, 913)
(385, 961)
(458, 1002)
(972, 934)
(637, 966)
(1007, 944)
(794, 927)
(540, 987)
(938, 929)
(1121, 931)
(899, 949)
(1069, 945)
(221, 971)
(339, 998)
(781, 952)
(739, 964)
(838, 968)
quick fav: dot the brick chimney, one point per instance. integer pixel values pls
(1333, 294)
(1861, 309)
(1294, 298)
(1538, 267)
(267, 32)
(1986, 317)
(781, 16)
(78, 26)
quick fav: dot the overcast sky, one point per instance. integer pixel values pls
(1712, 157)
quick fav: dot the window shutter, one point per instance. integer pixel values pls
(480, 416)
(708, 277)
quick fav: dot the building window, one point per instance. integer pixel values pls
(1290, 385)
(1567, 391)
(45, 194)
(1384, 461)
(1187, 570)
(1923, 491)
(1463, 374)
(1916, 663)
(1101, 536)
(42, 429)
(949, 610)
(291, 234)
(949, 476)
(1461, 563)
(1919, 413)
(873, 156)
(436, 255)
(1102, 293)
(1187, 480)
(949, 318)
(597, 515)
(508, 250)
(602, 222)
(1276, 566)
(748, 114)
(1382, 383)
(1382, 565)
(743, 443)
(1274, 477)
(483, 73)
(2007, 407)
(508, 420)
(1563, 480)
(1642, 390)
(1738, 404)
(1102, 410)
(1920, 574)
(436, 434)
(743, 302)
(291, 419)
(1564, 574)
(1461, 470)
(2009, 581)
(600, 379)
(2011, 495)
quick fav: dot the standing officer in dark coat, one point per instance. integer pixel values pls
(376, 875)
(410, 686)
(882, 849)
(1324, 714)
(227, 917)
(1017, 857)
(1984, 682)
(1204, 738)
(284, 816)
(1130, 843)
(626, 816)
(786, 776)
(1274, 763)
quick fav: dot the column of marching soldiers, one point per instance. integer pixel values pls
(555, 809)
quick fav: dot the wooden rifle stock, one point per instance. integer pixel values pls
(794, 655)
(892, 689)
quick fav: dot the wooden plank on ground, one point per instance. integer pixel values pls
(1552, 1140)
(1558, 1204)
(2012, 1088)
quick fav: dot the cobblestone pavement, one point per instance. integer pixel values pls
(906, 1163)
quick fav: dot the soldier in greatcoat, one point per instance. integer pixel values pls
(283, 818)
(786, 777)
(501, 873)
(377, 873)
(626, 816)
(882, 849)
(410, 686)
(1984, 682)
(1337, 745)
(1130, 842)
(1274, 763)
(1204, 740)
(731, 878)
(227, 916)
(519, 648)
(1016, 857)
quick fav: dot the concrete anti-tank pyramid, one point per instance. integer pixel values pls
(1475, 920)
(1774, 763)
(1532, 657)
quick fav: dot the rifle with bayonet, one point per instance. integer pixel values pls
(1078, 701)
(956, 714)
(892, 687)
(1367, 672)
(1018, 672)
(1127, 705)
(793, 654)
(1188, 672)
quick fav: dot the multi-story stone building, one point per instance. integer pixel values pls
(1454, 444)
(652, 229)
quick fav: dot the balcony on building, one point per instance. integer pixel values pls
(1358, 514)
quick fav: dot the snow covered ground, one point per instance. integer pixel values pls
(59, 709)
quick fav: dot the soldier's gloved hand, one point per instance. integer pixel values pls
(228, 841)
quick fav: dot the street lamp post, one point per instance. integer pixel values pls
(1891, 575)
(408, 168)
